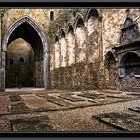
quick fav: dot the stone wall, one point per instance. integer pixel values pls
(40, 16)
(76, 59)
(94, 33)
(79, 44)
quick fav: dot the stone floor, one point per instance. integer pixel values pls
(58, 110)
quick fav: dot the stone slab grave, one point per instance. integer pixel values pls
(136, 109)
(109, 100)
(64, 103)
(70, 97)
(91, 96)
(135, 94)
(4, 103)
(119, 96)
(39, 123)
(95, 97)
(100, 98)
(122, 121)
(17, 105)
(36, 103)
(123, 96)
(14, 98)
(56, 100)
(18, 108)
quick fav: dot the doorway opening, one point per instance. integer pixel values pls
(29, 67)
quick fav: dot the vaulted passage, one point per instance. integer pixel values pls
(26, 55)
(20, 65)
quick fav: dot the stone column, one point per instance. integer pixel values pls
(2, 70)
(2, 65)
(38, 73)
(45, 71)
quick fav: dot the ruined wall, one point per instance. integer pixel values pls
(81, 43)
(78, 52)
(112, 25)
(95, 34)
(40, 16)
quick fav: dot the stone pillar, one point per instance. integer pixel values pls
(45, 71)
(38, 73)
(101, 76)
(2, 65)
(2, 79)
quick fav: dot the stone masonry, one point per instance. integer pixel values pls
(76, 49)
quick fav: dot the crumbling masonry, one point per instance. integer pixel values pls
(70, 49)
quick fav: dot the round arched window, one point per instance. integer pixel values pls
(21, 59)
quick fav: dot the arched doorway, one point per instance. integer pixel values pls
(130, 71)
(111, 73)
(29, 31)
(20, 65)
(130, 64)
(71, 45)
(80, 36)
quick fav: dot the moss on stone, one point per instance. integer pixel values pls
(15, 98)
(19, 108)
(40, 123)
(3, 12)
(50, 34)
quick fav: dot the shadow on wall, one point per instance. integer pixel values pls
(20, 65)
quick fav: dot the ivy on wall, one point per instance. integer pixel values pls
(3, 12)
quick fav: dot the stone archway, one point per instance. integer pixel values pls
(28, 30)
(110, 69)
(130, 71)
(130, 64)
(20, 64)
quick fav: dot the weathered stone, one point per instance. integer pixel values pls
(121, 120)
(41, 123)
(77, 49)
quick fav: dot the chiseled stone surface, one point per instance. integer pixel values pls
(80, 47)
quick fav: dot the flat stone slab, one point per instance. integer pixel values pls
(91, 96)
(37, 103)
(40, 123)
(99, 101)
(70, 98)
(58, 101)
(119, 96)
(136, 109)
(18, 108)
(111, 91)
(121, 121)
(14, 98)
(135, 94)
(107, 100)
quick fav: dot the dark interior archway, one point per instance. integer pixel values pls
(110, 64)
(28, 30)
(19, 64)
(93, 13)
(130, 64)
